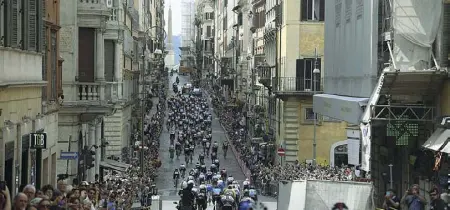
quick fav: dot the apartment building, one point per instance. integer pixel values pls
(30, 92)
(258, 20)
(103, 43)
(205, 37)
(298, 62)
(187, 33)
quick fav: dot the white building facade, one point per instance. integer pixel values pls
(102, 45)
(187, 33)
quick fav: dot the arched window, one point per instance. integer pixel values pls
(341, 149)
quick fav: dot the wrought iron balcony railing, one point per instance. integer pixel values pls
(296, 84)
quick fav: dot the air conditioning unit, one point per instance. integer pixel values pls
(109, 3)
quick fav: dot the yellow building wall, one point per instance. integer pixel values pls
(445, 98)
(308, 36)
(327, 133)
(311, 36)
(16, 103)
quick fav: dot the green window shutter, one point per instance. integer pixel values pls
(14, 23)
(32, 25)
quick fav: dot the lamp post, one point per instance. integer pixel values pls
(316, 72)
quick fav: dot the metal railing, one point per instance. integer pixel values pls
(295, 84)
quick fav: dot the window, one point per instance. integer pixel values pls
(305, 75)
(208, 31)
(54, 65)
(272, 106)
(13, 30)
(44, 67)
(309, 114)
(313, 10)
(209, 15)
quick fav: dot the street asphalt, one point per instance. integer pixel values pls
(164, 182)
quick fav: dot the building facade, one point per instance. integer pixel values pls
(295, 76)
(106, 45)
(30, 93)
(187, 34)
(204, 37)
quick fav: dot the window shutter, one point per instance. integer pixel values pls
(44, 73)
(299, 68)
(304, 8)
(54, 64)
(32, 25)
(240, 19)
(322, 10)
(14, 24)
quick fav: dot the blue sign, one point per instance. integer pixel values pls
(68, 155)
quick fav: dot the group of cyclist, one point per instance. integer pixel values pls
(189, 123)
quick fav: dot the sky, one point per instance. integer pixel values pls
(176, 15)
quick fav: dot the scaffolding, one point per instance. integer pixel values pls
(402, 117)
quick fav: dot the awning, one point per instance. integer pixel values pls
(344, 108)
(115, 165)
(438, 140)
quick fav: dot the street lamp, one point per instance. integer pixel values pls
(158, 51)
(316, 72)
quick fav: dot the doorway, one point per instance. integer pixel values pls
(339, 153)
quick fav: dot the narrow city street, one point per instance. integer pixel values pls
(165, 182)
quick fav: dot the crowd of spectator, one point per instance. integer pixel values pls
(114, 191)
(259, 160)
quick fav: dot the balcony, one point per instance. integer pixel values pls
(89, 92)
(89, 97)
(115, 14)
(265, 76)
(92, 13)
(284, 87)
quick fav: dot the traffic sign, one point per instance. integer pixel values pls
(281, 152)
(68, 155)
(38, 140)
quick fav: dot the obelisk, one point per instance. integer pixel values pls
(170, 57)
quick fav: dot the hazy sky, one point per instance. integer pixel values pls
(176, 15)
